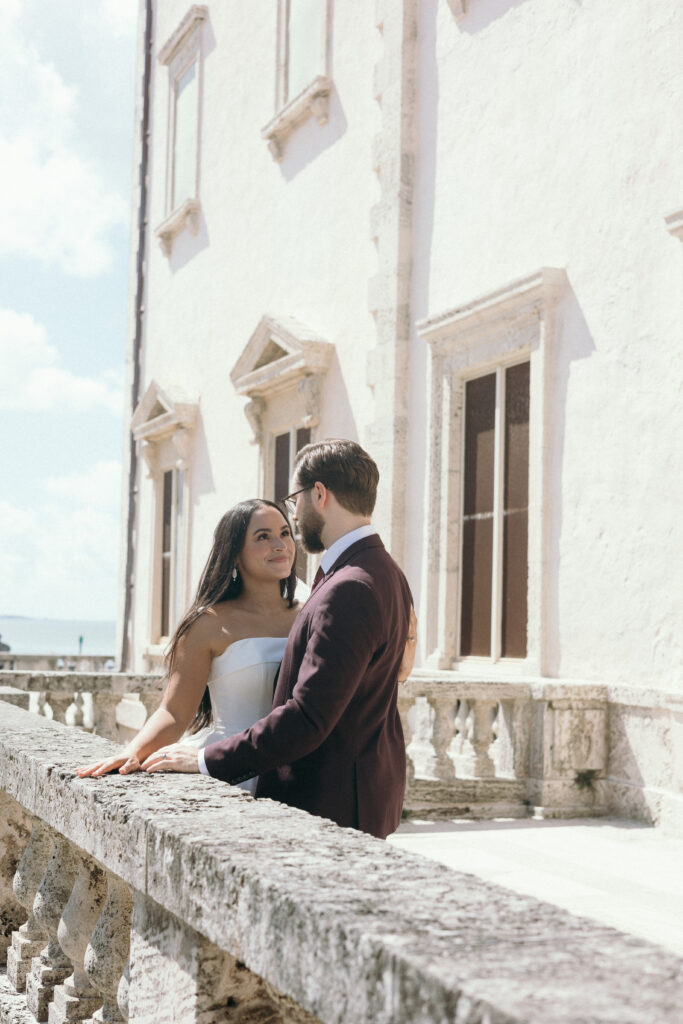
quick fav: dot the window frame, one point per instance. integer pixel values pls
(500, 329)
(498, 546)
(178, 54)
(163, 427)
(313, 100)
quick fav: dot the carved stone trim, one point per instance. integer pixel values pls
(313, 101)
(674, 224)
(196, 14)
(303, 352)
(184, 217)
(254, 412)
(496, 313)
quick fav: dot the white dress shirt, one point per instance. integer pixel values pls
(326, 562)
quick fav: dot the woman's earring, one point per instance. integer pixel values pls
(234, 573)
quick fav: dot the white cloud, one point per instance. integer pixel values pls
(32, 378)
(60, 560)
(100, 486)
(58, 209)
(119, 16)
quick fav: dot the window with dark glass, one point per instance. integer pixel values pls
(286, 447)
(493, 619)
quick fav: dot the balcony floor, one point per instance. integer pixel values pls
(620, 873)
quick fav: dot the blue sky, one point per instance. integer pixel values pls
(66, 139)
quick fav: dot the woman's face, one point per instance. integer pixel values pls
(269, 550)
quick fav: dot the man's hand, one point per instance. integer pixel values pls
(174, 758)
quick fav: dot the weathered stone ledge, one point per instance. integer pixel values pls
(542, 688)
(117, 683)
(346, 926)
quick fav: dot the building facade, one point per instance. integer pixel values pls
(451, 230)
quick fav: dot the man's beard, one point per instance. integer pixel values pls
(311, 525)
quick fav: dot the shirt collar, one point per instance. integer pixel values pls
(342, 543)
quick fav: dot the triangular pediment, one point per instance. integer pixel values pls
(271, 352)
(161, 411)
(280, 350)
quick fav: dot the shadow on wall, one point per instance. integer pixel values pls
(572, 340)
(202, 474)
(337, 419)
(186, 245)
(479, 14)
(310, 139)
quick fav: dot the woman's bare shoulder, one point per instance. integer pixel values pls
(213, 628)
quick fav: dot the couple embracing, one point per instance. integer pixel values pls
(329, 740)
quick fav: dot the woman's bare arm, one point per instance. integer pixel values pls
(179, 703)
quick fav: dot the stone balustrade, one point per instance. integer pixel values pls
(491, 748)
(56, 662)
(158, 899)
(476, 748)
(118, 702)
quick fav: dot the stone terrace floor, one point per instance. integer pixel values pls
(621, 873)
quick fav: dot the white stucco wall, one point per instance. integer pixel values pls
(548, 134)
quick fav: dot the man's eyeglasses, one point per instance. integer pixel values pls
(290, 501)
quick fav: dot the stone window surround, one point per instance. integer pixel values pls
(182, 48)
(165, 439)
(674, 224)
(504, 327)
(313, 101)
(297, 373)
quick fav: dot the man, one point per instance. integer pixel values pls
(333, 743)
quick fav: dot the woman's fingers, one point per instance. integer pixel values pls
(131, 765)
(101, 767)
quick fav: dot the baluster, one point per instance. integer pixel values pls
(104, 714)
(404, 706)
(52, 966)
(473, 723)
(28, 940)
(60, 702)
(76, 998)
(78, 705)
(443, 731)
(107, 952)
(122, 995)
(42, 704)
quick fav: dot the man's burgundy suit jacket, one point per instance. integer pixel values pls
(333, 743)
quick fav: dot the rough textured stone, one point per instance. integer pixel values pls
(347, 927)
(13, 1009)
(14, 833)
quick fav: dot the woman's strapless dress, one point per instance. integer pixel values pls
(241, 688)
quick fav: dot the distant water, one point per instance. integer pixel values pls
(58, 636)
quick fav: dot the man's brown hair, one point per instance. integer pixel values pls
(344, 468)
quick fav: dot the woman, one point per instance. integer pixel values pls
(232, 637)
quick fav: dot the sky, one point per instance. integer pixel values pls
(67, 76)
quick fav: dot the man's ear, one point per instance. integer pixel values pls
(321, 495)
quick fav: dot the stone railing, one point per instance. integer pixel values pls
(176, 898)
(504, 749)
(476, 748)
(112, 704)
(545, 747)
(56, 662)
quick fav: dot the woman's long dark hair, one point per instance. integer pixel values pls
(216, 583)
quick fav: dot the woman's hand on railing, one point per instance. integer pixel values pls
(125, 762)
